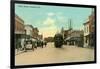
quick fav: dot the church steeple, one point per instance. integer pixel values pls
(70, 24)
(62, 29)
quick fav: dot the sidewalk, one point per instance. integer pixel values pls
(18, 51)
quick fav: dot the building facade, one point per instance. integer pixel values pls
(86, 34)
(35, 33)
(19, 30)
(40, 36)
(29, 31)
(19, 25)
(75, 37)
(89, 31)
(49, 39)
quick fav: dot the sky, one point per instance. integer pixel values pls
(50, 19)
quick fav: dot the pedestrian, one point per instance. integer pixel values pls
(45, 43)
(18, 44)
(42, 44)
(33, 44)
(23, 44)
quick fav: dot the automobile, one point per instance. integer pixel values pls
(58, 40)
(34, 43)
(39, 43)
(28, 45)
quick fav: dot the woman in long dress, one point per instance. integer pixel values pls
(23, 44)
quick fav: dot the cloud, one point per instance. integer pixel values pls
(49, 22)
(49, 31)
(50, 14)
(49, 28)
(61, 18)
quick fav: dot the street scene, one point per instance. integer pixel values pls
(53, 34)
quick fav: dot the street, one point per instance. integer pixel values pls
(50, 54)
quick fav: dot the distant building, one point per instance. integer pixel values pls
(66, 33)
(74, 37)
(49, 39)
(40, 36)
(76, 33)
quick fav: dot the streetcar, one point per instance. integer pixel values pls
(58, 40)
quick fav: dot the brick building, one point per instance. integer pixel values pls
(19, 29)
(19, 25)
(89, 31)
(35, 33)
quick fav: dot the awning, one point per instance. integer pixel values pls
(19, 32)
(72, 39)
